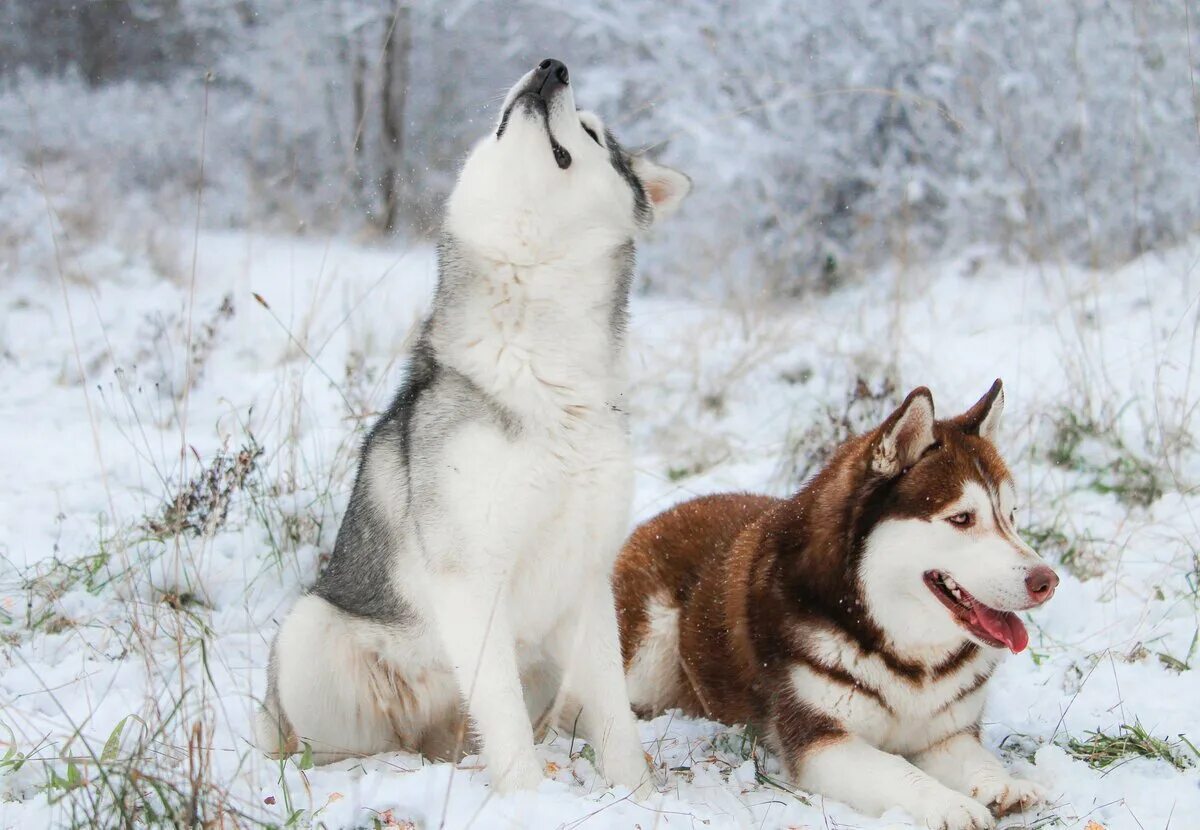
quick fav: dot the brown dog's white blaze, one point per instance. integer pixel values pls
(751, 609)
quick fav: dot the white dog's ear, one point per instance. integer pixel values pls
(983, 419)
(665, 187)
(905, 435)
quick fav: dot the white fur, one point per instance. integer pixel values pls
(921, 715)
(989, 427)
(874, 781)
(515, 573)
(988, 559)
(653, 674)
(936, 763)
(962, 764)
(358, 675)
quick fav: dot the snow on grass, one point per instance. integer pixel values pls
(157, 520)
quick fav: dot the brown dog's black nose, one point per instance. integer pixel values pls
(550, 74)
(1040, 583)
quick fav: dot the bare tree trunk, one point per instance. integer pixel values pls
(394, 94)
(358, 96)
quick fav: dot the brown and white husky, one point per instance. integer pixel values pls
(856, 623)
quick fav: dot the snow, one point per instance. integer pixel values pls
(100, 621)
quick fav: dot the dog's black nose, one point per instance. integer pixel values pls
(550, 74)
(1041, 582)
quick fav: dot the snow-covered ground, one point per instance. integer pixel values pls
(133, 636)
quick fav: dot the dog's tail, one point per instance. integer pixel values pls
(273, 732)
(654, 674)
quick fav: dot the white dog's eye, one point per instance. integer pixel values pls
(963, 520)
(590, 132)
(1012, 516)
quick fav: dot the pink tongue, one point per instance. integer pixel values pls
(1004, 626)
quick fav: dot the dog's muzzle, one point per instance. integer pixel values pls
(546, 81)
(550, 76)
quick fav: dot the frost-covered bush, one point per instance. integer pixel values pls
(822, 137)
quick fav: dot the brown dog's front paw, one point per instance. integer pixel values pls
(1005, 794)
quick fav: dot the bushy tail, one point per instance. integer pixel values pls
(655, 674)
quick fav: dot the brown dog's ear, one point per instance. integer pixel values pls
(905, 435)
(983, 419)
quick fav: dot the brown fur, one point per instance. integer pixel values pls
(752, 575)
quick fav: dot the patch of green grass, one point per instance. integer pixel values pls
(680, 473)
(142, 778)
(1070, 431)
(740, 744)
(46, 582)
(1101, 750)
(1077, 444)
(60, 576)
(1174, 663)
(1193, 575)
(12, 760)
(747, 745)
(1134, 481)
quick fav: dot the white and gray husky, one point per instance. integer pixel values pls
(473, 567)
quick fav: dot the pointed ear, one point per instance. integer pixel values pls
(665, 187)
(983, 419)
(905, 435)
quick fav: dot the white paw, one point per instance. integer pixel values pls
(517, 774)
(949, 810)
(1005, 794)
(630, 770)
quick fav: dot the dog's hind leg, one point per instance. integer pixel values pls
(273, 732)
(334, 693)
(593, 687)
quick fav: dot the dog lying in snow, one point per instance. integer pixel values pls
(856, 623)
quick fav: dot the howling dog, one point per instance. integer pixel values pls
(856, 623)
(472, 570)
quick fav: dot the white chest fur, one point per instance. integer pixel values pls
(540, 338)
(894, 712)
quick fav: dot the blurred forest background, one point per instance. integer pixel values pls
(823, 138)
(214, 227)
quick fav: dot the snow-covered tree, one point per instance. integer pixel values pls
(822, 137)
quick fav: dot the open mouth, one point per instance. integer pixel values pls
(538, 103)
(1000, 629)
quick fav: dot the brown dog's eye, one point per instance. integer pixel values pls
(963, 520)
